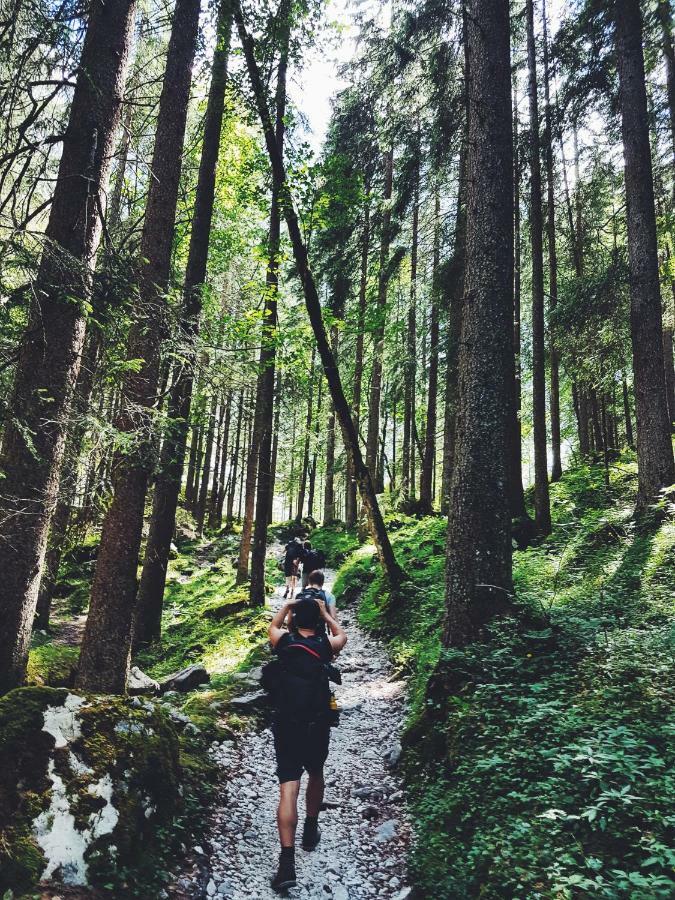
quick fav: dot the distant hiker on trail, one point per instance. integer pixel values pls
(311, 561)
(292, 553)
(299, 684)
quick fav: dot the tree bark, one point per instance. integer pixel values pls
(392, 571)
(329, 484)
(305, 450)
(267, 362)
(542, 509)
(554, 395)
(351, 486)
(478, 556)
(167, 490)
(454, 328)
(654, 447)
(229, 516)
(106, 645)
(50, 352)
(200, 509)
(409, 399)
(427, 482)
(373, 432)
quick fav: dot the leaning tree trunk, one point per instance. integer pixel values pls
(49, 358)
(554, 398)
(373, 433)
(542, 507)
(390, 567)
(106, 645)
(478, 558)
(167, 489)
(654, 447)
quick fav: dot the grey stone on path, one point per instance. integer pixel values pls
(393, 756)
(250, 702)
(386, 831)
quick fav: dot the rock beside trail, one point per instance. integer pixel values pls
(86, 786)
(140, 683)
(252, 702)
(185, 680)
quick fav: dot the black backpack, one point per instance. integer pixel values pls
(298, 683)
(313, 560)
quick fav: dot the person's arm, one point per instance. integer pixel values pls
(338, 636)
(275, 631)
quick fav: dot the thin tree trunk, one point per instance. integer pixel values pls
(554, 398)
(478, 557)
(454, 327)
(409, 399)
(275, 444)
(229, 517)
(351, 486)
(305, 451)
(373, 433)
(628, 424)
(654, 447)
(542, 509)
(267, 363)
(515, 450)
(313, 464)
(215, 509)
(329, 485)
(106, 645)
(195, 432)
(392, 572)
(200, 511)
(427, 483)
(167, 491)
(50, 352)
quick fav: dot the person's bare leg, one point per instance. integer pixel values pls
(314, 798)
(314, 795)
(287, 812)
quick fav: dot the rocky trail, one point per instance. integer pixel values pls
(365, 839)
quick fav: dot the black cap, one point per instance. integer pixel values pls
(306, 613)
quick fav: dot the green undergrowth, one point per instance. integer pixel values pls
(541, 762)
(336, 541)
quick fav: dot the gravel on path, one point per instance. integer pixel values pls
(364, 841)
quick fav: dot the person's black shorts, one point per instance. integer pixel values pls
(300, 747)
(290, 568)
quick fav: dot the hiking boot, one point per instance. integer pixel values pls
(285, 877)
(285, 593)
(311, 835)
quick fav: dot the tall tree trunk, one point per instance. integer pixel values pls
(229, 516)
(515, 450)
(329, 485)
(373, 433)
(554, 398)
(61, 519)
(305, 450)
(167, 490)
(454, 327)
(200, 509)
(275, 444)
(542, 508)
(409, 399)
(313, 463)
(106, 645)
(392, 571)
(351, 486)
(219, 469)
(628, 424)
(666, 20)
(195, 438)
(427, 482)
(267, 363)
(50, 353)
(478, 558)
(654, 447)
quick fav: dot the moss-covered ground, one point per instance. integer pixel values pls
(542, 763)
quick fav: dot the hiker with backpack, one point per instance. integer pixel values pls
(291, 563)
(312, 560)
(298, 681)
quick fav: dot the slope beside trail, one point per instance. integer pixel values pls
(364, 842)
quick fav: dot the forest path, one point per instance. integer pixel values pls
(364, 842)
